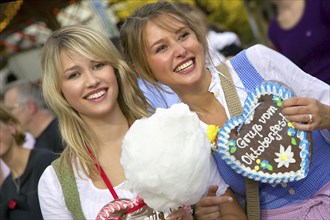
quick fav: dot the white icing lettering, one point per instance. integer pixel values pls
(269, 113)
(283, 118)
(265, 143)
(275, 129)
(248, 158)
(243, 142)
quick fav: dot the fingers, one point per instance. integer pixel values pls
(209, 201)
(304, 127)
(303, 122)
(180, 214)
(212, 191)
(299, 106)
(306, 113)
(209, 206)
(209, 216)
(211, 212)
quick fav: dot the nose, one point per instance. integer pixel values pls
(180, 50)
(92, 80)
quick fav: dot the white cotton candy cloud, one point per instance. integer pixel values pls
(166, 158)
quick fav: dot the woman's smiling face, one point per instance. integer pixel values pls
(90, 87)
(175, 56)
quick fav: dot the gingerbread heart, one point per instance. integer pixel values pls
(262, 144)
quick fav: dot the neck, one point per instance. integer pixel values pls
(287, 4)
(40, 122)
(17, 160)
(109, 133)
(201, 103)
(196, 94)
(108, 130)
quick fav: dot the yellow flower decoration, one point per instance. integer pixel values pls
(212, 132)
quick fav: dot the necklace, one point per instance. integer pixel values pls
(107, 182)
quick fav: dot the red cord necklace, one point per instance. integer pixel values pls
(109, 184)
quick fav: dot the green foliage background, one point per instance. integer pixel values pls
(227, 14)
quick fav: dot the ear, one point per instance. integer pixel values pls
(32, 106)
(12, 127)
(133, 66)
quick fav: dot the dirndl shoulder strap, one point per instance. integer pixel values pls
(235, 109)
(231, 96)
(69, 187)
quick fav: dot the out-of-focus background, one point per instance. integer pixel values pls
(26, 24)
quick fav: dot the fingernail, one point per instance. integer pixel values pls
(230, 199)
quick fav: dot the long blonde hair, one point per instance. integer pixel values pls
(133, 38)
(92, 45)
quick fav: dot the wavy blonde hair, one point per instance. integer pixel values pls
(92, 45)
(133, 38)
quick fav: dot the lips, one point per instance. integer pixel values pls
(95, 94)
(185, 66)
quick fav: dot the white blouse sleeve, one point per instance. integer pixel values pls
(272, 65)
(51, 197)
(216, 179)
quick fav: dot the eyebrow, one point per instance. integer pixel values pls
(180, 29)
(71, 68)
(157, 42)
(176, 32)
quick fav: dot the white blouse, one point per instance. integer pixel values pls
(92, 199)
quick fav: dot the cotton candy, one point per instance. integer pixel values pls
(166, 158)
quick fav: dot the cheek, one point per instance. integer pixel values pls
(69, 90)
(65, 93)
(5, 134)
(158, 67)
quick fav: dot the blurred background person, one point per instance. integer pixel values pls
(300, 30)
(18, 194)
(9, 77)
(4, 169)
(25, 101)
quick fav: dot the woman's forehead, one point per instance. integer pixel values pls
(169, 22)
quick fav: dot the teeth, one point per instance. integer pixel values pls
(184, 66)
(96, 95)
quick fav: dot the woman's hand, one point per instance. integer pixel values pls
(307, 113)
(180, 214)
(212, 207)
(208, 206)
